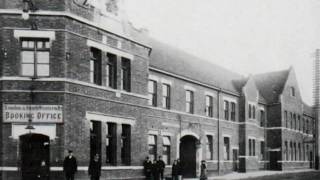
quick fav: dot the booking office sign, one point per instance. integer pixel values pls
(21, 113)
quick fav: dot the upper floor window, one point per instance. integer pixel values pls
(189, 101)
(252, 147)
(209, 106)
(226, 110)
(299, 123)
(252, 111)
(95, 66)
(35, 57)
(262, 118)
(291, 120)
(292, 91)
(233, 111)
(111, 71)
(152, 90)
(125, 74)
(294, 122)
(166, 96)
(286, 119)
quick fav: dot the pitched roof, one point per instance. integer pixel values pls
(308, 110)
(173, 60)
(271, 84)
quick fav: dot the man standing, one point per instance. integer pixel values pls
(95, 168)
(161, 167)
(147, 167)
(70, 166)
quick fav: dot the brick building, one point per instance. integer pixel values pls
(86, 80)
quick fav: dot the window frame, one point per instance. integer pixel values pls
(125, 74)
(190, 102)
(166, 100)
(152, 95)
(209, 105)
(111, 70)
(35, 49)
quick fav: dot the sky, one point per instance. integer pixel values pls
(245, 36)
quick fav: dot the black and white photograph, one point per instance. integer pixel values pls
(159, 89)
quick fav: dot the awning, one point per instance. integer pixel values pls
(166, 141)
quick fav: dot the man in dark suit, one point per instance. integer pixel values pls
(161, 167)
(70, 166)
(95, 168)
(147, 167)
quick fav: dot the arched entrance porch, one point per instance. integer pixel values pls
(188, 156)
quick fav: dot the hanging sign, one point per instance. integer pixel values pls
(38, 113)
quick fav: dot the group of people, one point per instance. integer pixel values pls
(154, 170)
(70, 167)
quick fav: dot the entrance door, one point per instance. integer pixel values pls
(274, 160)
(235, 159)
(310, 160)
(188, 156)
(34, 149)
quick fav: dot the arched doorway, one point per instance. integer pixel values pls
(188, 156)
(34, 149)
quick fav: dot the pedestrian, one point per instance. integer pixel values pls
(147, 168)
(161, 167)
(70, 166)
(179, 169)
(95, 168)
(175, 170)
(155, 170)
(203, 173)
(43, 171)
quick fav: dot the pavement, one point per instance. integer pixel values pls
(256, 174)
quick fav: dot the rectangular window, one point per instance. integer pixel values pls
(299, 152)
(233, 111)
(226, 110)
(166, 96)
(286, 118)
(166, 149)
(125, 74)
(95, 66)
(294, 152)
(189, 101)
(111, 71)
(35, 57)
(303, 125)
(152, 90)
(254, 112)
(294, 122)
(209, 147)
(226, 141)
(126, 144)
(111, 143)
(291, 151)
(262, 118)
(209, 104)
(262, 152)
(299, 123)
(152, 147)
(286, 150)
(95, 138)
(250, 111)
(291, 120)
(252, 147)
(307, 126)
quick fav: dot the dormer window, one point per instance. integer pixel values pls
(292, 91)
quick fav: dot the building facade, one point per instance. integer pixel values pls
(76, 75)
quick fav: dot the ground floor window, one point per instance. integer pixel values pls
(262, 152)
(95, 138)
(111, 143)
(209, 148)
(126, 144)
(252, 147)
(166, 149)
(152, 146)
(226, 141)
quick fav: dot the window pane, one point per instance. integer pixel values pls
(39, 44)
(43, 57)
(151, 86)
(47, 44)
(43, 69)
(27, 69)
(24, 44)
(30, 44)
(27, 56)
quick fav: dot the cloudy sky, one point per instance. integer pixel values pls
(245, 36)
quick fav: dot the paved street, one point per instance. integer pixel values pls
(270, 175)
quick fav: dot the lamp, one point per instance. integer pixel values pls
(30, 126)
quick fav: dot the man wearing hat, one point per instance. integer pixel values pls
(70, 166)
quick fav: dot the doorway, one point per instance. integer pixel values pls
(188, 156)
(274, 160)
(235, 160)
(34, 150)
